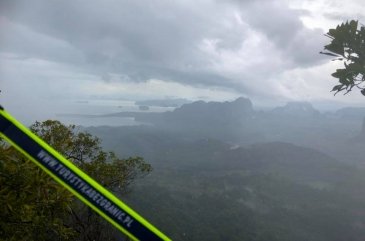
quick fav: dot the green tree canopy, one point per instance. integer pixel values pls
(34, 207)
(348, 45)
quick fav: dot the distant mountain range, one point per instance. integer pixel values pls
(351, 112)
(238, 122)
(237, 110)
(229, 111)
(296, 109)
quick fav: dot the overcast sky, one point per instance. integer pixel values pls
(54, 51)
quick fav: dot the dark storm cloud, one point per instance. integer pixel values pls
(141, 39)
(154, 39)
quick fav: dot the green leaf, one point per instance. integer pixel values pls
(337, 88)
(353, 25)
(363, 91)
(329, 54)
(340, 73)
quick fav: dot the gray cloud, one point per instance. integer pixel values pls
(341, 17)
(157, 39)
(282, 26)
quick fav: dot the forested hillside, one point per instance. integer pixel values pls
(209, 186)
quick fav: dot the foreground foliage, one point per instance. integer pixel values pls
(34, 207)
(348, 45)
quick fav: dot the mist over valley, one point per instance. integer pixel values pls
(288, 173)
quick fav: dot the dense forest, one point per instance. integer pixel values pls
(240, 177)
(278, 174)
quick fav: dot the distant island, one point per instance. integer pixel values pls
(143, 107)
(164, 102)
(82, 102)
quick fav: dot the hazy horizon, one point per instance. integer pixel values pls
(199, 50)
